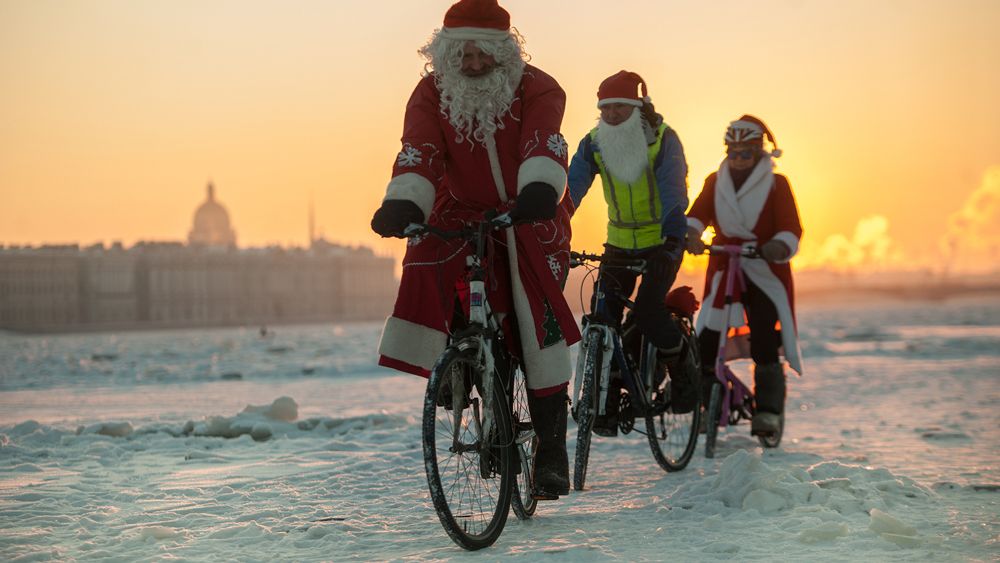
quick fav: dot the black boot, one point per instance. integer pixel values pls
(769, 396)
(607, 424)
(685, 384)
(551, 473)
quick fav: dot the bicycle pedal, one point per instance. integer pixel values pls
(538, 494)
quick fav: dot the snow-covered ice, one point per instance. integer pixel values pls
(220, 445)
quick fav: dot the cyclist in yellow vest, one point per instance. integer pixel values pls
(642, 167)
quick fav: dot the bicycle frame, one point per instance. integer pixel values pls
(734, 391)
(612, 342)
(483, 331)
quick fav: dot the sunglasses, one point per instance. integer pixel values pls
(745, 154)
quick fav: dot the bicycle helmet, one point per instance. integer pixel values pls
(749, 128)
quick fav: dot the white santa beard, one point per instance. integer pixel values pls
(623, 148)
(475, 105)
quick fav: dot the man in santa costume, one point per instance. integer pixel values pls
(644, 174)
(748, 204)
(481, 132)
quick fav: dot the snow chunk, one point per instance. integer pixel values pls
(113, 429)
(885, 523)
(824, 532)
(283, 408)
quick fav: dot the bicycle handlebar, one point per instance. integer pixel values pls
(733, 250)
(581, 258)
(495, 223)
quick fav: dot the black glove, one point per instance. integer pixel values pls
(664, 261)
(394, 216)
(536, 202)
(775, 251)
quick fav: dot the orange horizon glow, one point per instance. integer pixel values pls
(117, 114)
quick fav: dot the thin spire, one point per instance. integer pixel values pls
(312, 221)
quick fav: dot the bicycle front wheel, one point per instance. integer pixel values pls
(469, 466)
(672, 423)
(586, 405)
(526, 441)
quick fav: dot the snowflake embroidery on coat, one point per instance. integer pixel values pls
(557, 144)
(409, 156)
(555, 267)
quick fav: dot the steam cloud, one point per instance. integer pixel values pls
(972, 242)
(870, 247)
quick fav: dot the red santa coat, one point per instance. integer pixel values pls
(762, 210)
(453, 183)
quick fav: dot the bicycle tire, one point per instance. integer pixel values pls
(672, 436)
(473, 508)
(773, 440)
(522, 501)
(713, 413)
(586, 408)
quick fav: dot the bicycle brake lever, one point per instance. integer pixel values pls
(413, 229)
(502, 220)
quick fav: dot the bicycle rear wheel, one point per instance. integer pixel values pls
(526, 441)
(673, 435)
(712, 414)
(586, 404)
(469, 468)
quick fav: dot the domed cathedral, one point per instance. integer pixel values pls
(211, 224)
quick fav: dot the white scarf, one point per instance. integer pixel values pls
(737, 212)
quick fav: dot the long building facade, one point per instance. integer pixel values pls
(206, 282)
(160, 285)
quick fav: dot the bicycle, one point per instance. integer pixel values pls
(672, 436)
(478, 440)
(730, 399)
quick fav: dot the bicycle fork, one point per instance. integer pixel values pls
(606, 342)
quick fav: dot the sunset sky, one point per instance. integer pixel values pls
(115, 114)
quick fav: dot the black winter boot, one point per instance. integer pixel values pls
(685, 384)
(769, 395)
(607, 424)
(551, 472)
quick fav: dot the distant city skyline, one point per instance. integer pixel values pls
(116, 113)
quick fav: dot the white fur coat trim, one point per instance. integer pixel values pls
(411, 343)
(543, 367)
(542, 169)
(737, 212)
(413, 187)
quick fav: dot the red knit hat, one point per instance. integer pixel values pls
(622, 88)
(476, 19)
(748, 128)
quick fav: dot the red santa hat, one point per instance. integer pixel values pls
(622, 88)
(476, 19)
(748, 128)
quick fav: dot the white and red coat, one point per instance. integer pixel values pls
(454, 182)
(762, 210)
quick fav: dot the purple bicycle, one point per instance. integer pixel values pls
(731, 400)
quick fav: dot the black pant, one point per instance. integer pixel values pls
(650, 311)
(764, 338)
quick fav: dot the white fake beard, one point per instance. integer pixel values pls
(623, 148)
(475, 105)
